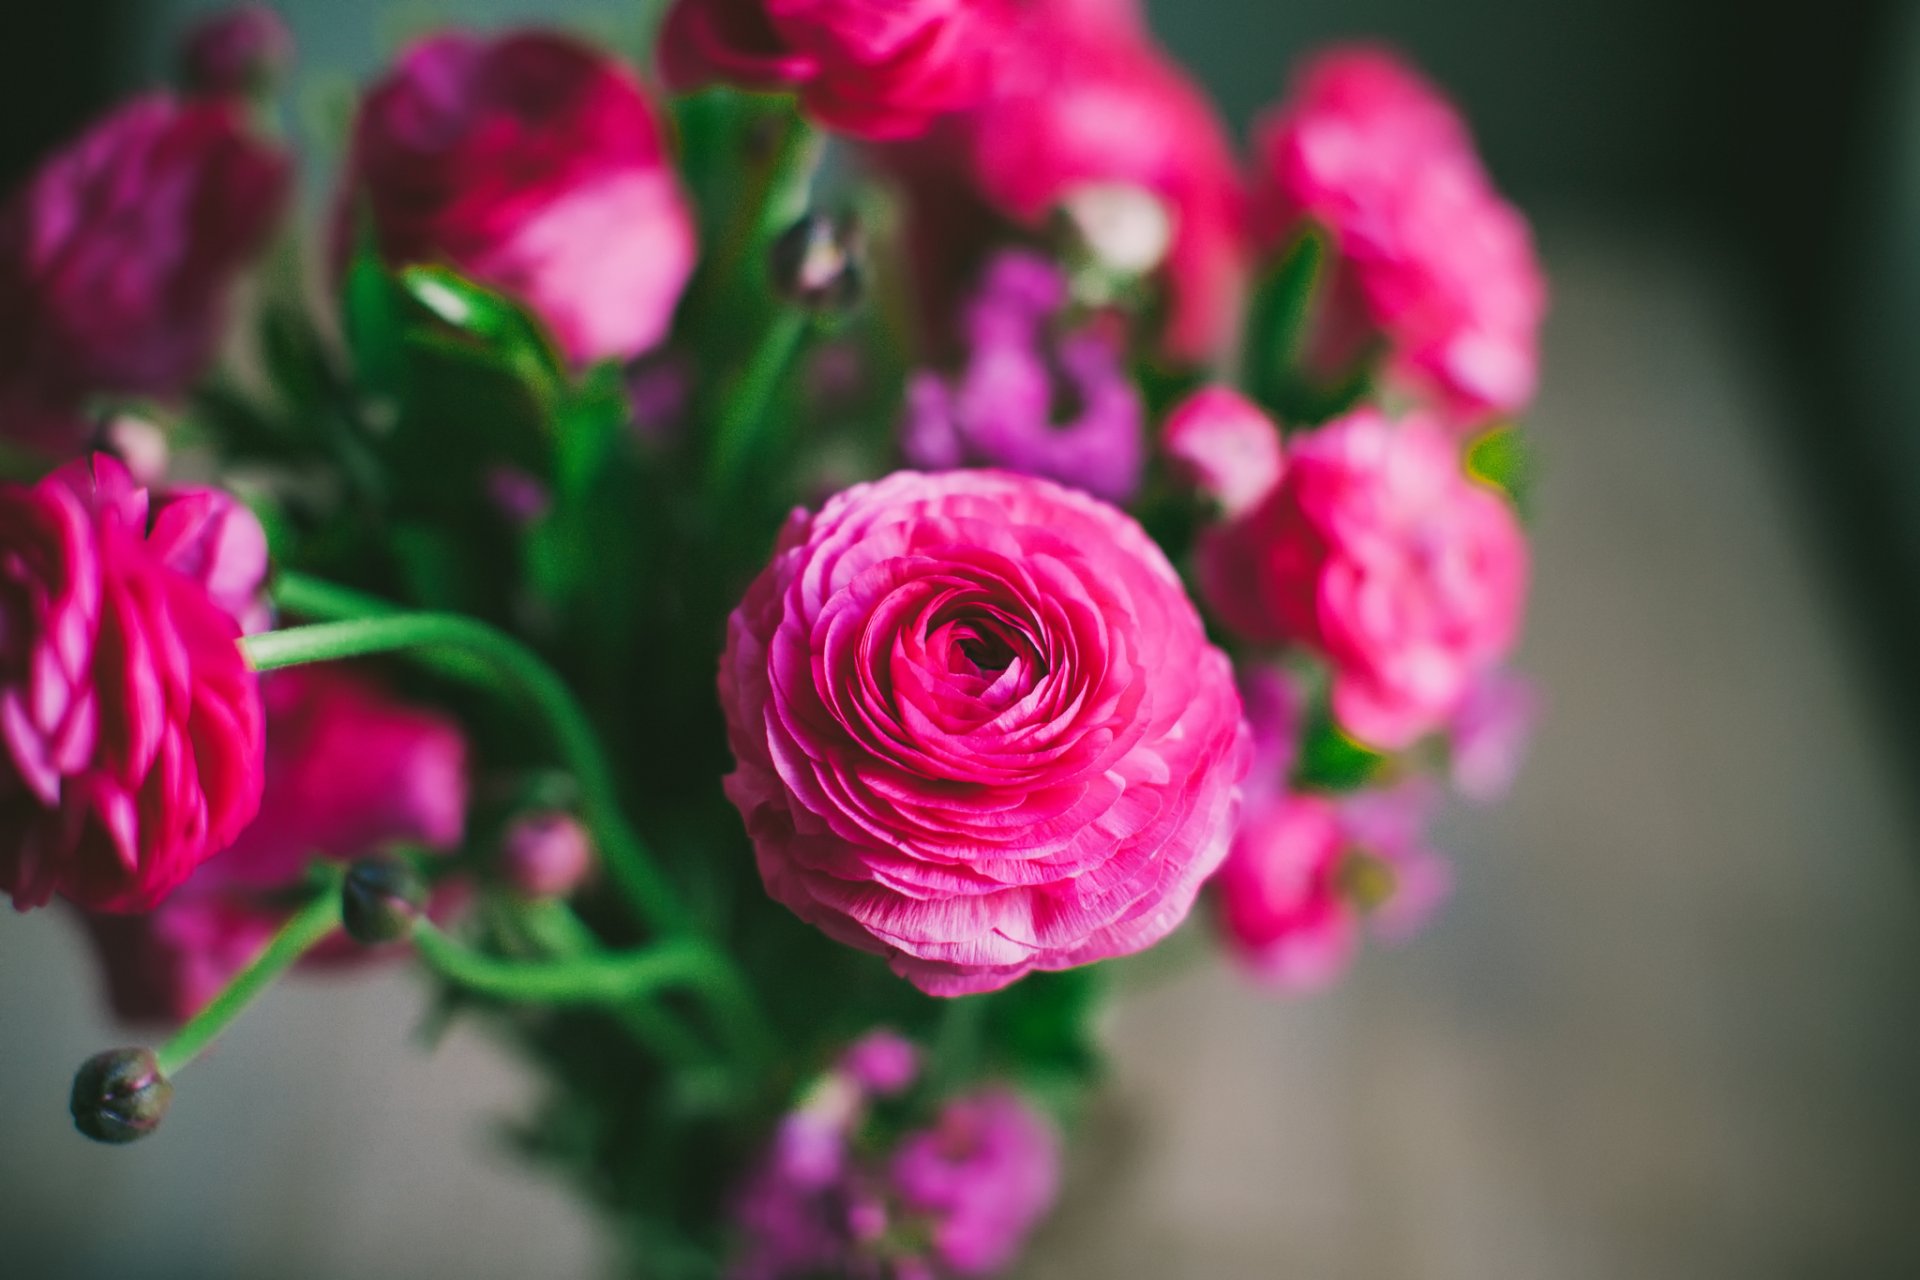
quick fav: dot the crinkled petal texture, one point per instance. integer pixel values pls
(118, 257)
(130, 720)
(1440, 264)
(871, 68)
(979, 728)
(1377, 551)
(349, 770)
(519, 160)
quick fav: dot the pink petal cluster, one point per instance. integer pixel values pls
(1378, 552)
(1084, 98)
(956, 1198)
(349, 770)
(1307, 870)
(871, 68)
(535, 165)
(978, 728)
(130, 720)
(1434, 259)
(118, 257)
(1225, 447)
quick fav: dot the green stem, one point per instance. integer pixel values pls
(605, 979)
(740, 432)
(308, 927)
(557, 930)
(621, 848)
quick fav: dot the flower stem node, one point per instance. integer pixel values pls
(817, 263)
(380, 900)
(120, 1096)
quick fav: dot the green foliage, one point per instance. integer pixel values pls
(1504, 458)
(1279, 330)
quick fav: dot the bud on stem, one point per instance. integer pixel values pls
(380, 900)
(120, 1096)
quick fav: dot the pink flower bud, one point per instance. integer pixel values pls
(882, 1062)
(1225, 446)
(547, 855)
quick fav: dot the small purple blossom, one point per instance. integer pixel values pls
(1030, 397)
(1489, 733)
(882, 1062)
(983, 1176)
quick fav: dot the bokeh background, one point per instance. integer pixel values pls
(1670, 1026)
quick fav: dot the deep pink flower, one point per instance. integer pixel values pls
(979, 729)
(237, 51)
(131, 722)
(1378, 552)
(1085, 99)
(1225, 446)
(983, 1175)
(118, 257)
(349, 770)
(535, 165)
(1430, 257)
(872, 68)
(1306, 871)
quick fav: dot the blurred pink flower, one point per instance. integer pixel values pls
(882, 1062)
(983, 1176)
(547, 855)
(979, 729)
(131, 722)
(1430, 256)
(1489, 734)
(1307, 871)
(236, 52)
(349, 770)
(535, 165)
(118, 257)
(1377, 552)
(1225, 446)
(874, 70)
(1083, 98)
(1275, 707)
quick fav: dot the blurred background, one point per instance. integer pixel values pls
(1670, 1026)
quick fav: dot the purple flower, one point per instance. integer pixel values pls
(1489, 733)
(1030, 397)
(983, 1176)
(882, 1062)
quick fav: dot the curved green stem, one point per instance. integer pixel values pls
(621, 848)
(308, 927)
(604, 979)
(740, 432)
(554, 928)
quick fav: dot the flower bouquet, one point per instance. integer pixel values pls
(769, 575)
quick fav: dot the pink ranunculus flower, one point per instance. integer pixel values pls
(867, 69)
(118, 257)
(349, 770)
(1307, 871)
(535, 165)
(1431, 258)
(131, 722)
(983, 1175)
(978, 728)
(1378, 552)
(1225, 446)
(1085, 99)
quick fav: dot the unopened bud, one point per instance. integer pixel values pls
(380, 901)
(816, 263)
(547, 855)
(120, 1096)
(239, 52)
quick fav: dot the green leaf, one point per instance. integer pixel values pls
(1332, 761)
(1277, 322)
(1503, 458)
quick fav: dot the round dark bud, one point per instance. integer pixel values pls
(380, 900)
(816, 263)
(120, 1096)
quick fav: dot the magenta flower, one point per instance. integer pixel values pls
(958, 1198)
(349, 771)
(131, 722)
(983, 1177)
(1377, 552)
(118, 257)
(882, 1062)
(547, 855)
(978, 728)
(1433, 260)
(236, 52)
(1084, 99)
(535, 165)
(1306, 871)
(1000, 409)
(871, 70)
(1225, 446)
